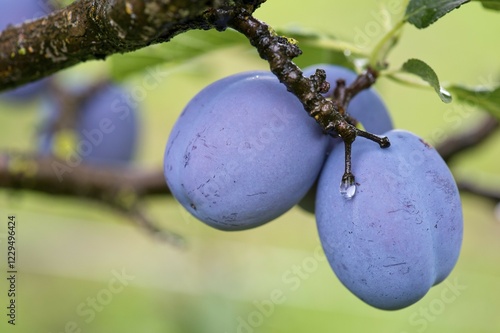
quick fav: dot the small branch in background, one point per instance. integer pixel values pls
(482, 191)
(59, 177)
(152, 229)
(461, 142)
(121, 188)
(470, 138)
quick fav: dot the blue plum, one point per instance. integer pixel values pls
(15, 12)
(243, 152)
(106, 131)
(367, 107)
(402, 231)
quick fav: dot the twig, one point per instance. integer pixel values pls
(152, 229)
(122, 189)
(463, 141)
(470, 138)
(57, 177)
(482, 191)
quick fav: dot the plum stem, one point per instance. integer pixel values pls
(348, 165)
(383, 141)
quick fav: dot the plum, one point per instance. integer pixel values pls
(243, 152)
(106, 132)
(402, 231)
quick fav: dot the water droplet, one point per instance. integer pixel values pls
(348, 187)
(445, 95)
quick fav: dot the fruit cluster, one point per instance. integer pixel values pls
(244, 152)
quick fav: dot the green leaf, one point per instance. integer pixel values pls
(426, 73)
(184, 47)
(422, 13)
(486, 99)
(490, 4)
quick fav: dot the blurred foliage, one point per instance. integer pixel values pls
(69, 250)
(179, 50)
(485, 98)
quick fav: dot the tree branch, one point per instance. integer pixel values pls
(113, 185)
(482, 191)
(470, 138)
(90, 29)
(120, 188)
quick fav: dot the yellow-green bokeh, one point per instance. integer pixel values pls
(69, 251)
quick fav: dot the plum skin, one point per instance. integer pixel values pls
(402, 232)
(243, 152)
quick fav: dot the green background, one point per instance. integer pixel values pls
(69, 250)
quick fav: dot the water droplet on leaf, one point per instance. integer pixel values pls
(348, 187)
(445, 95)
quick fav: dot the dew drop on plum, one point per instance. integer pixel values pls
(347, 188)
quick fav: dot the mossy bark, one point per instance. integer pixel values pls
(95, 29)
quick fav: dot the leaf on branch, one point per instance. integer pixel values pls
(486, 99)
(490, 4)
(426, 73)
(422, 13)
(184, 47)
